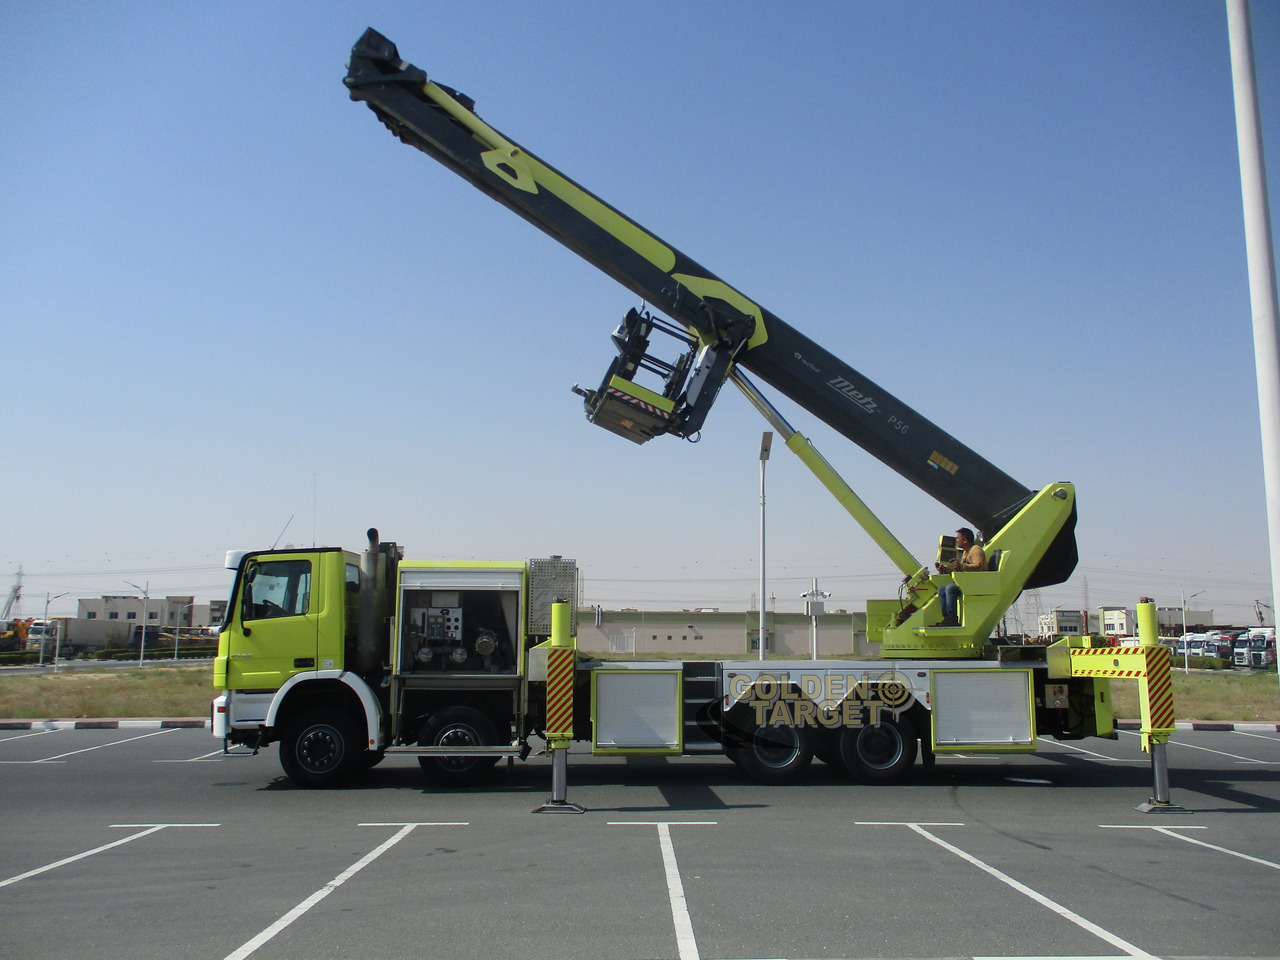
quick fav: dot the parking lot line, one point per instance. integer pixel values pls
(149, 828)
(23, 736)
(205, 757)
(1067, 914)
(251, 946)
(103, 746)
(1172, 832)
(686, 942)
(1256, 736)
(1221, 753)
(1097, 756)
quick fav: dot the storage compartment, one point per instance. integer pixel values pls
(636, 711)
(983, 711)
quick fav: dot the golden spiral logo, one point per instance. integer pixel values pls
(892, 689)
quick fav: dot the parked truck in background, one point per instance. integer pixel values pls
(45, 634)
(343, 658)
(1262, 648)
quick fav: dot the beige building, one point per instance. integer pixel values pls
(160, 611)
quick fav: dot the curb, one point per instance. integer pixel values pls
(1216, 726)
(189, 722)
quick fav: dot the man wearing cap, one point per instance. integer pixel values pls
(972, 557)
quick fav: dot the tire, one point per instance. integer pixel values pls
(879, 753)
(774, 754)
(458, 727)
(320, 748)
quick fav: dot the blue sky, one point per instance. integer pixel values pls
(232, 301)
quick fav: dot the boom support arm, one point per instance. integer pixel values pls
(722, 328)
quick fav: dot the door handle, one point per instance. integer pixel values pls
(304, 662)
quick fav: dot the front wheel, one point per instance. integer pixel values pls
(459, 727)
(774, 754)
(320, 749)
(881, 752)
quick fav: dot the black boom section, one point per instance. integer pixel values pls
(724, 326)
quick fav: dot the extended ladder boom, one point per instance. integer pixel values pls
(721, 326)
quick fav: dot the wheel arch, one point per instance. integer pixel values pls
(337, 689)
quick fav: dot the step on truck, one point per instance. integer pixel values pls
(342, 658)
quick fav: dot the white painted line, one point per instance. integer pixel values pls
(23, 736)
(103, 746)
(284, 922)
(16, 762)
(1099, 756)
(686, 942)
(150, 828)
(1129, 949)
(1257, 736)
(1172, 832)
(1192, 746)
(204, 757)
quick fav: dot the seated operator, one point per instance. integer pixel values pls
(972, 557)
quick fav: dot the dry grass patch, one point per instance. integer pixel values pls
(1211, 695)
(150, 692)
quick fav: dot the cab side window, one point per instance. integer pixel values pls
(277, 588)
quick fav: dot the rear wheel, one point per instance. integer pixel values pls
(458, 727)
(879, 753)
(774, 754)
(320, 748)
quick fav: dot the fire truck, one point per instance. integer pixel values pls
(342, 658)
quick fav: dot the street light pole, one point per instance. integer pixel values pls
(177, 628)
(813, 606)
(45, 636)
(142, 642)
(1186, 644)
(766, 443)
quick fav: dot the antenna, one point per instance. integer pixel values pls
(282, 530)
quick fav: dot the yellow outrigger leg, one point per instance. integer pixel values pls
(1149, 664)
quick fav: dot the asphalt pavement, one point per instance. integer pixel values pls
(143, 840)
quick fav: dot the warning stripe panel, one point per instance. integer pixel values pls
(1149, 665)
(560, 664)
(636, 402)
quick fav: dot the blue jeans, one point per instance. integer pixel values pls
(949, 596)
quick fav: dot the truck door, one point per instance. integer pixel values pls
(278, 611)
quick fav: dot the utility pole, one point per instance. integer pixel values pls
(142, 642)
(766, 443)
(1261, 260)
(813, 606)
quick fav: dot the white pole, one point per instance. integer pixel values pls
(44, 629)
(1186, 644)
(766, 443)
(1261, 259)
(813, 622)
(142, 643)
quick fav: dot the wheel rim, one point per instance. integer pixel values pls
(880, 746)
(459, 735)
(776, 747)
(320, 749)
